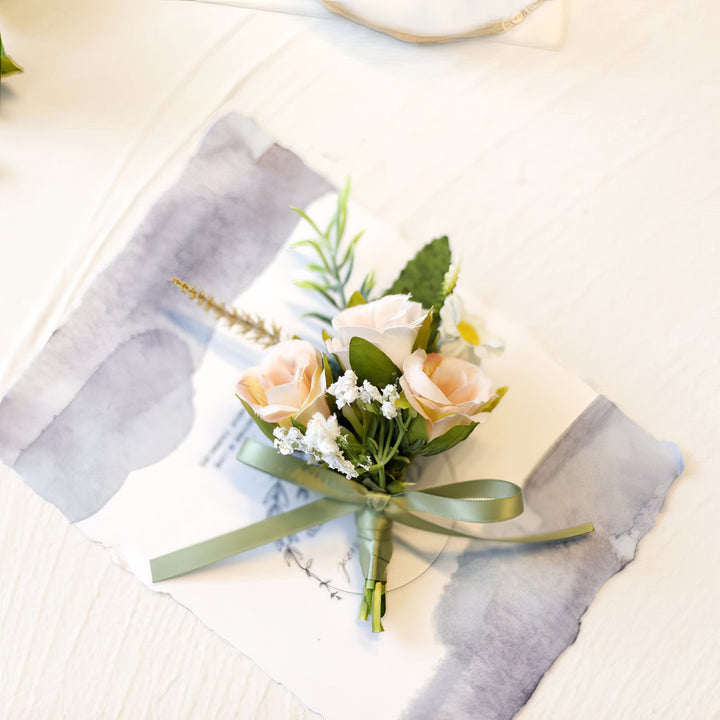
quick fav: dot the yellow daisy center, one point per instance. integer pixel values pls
(468, 333)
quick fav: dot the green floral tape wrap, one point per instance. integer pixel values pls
(476, 501)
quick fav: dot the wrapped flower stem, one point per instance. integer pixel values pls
(376, 546)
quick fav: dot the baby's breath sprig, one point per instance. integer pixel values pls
(254, 328)
(337, 258)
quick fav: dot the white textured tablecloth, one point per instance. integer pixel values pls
(580, 187)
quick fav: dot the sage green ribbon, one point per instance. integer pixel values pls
(476, 501)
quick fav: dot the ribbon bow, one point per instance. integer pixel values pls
(477, 501)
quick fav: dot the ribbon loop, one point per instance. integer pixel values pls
(476, 501)
(479, 501)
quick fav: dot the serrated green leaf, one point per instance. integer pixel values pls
(423, 276)
(356, 299)
(493, 402)
(266, 427)
(372, 364)
(7, 64)
(448, 440)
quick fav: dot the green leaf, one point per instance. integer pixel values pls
(417, 431)
(341, 213)
(367, 284)
(372, 364)
(493, 402)
(423, 276)
(447, 440)
(423, 337)
(7, 64)
(308, 220)
(356, 299)
(328, 371)
(309, 285)
(319, 316)
(297, 424)
(351, 248)
(348, 271)
(266, 427)
(353, 443)
(396, 486)
(332, 366)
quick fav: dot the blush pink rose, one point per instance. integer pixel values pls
(289, 383)
(446, 391)
(390, 323)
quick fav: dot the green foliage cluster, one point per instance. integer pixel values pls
(7, 64)
(429, 278)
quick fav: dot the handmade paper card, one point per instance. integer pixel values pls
(128, 422)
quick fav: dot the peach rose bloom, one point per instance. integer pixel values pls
(390, 323)
(446, 391)
(289, 383)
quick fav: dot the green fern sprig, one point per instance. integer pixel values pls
(336, 258)
(254, 328)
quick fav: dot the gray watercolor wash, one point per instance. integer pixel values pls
(510, 611)
(111, 391)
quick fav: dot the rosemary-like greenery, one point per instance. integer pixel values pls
(336, 258)
(250, 325)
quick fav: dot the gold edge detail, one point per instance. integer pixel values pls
(494, 28)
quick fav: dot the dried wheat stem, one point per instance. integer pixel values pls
(252, 326)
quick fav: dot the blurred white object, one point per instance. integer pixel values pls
(432, 21)
(435, 21)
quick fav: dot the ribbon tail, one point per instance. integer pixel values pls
(266, 531)
(406, 518)
(288, 467)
